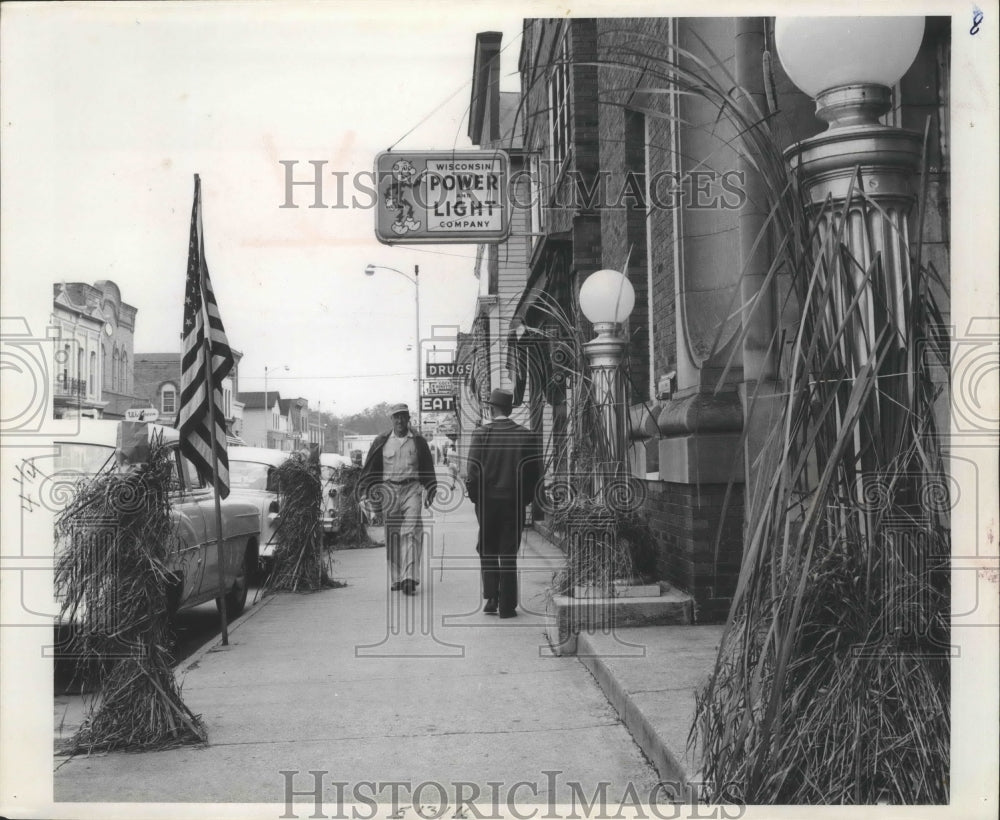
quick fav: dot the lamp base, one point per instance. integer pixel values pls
(887, 159)
(607, 348)
(856, 104)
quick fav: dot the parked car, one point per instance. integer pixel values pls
(330, 465)
(194, 564)
(252, 478)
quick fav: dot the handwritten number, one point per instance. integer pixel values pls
(977, 18)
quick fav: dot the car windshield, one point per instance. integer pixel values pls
(248, 475)
(71, 457)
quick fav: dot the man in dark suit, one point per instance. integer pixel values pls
(398, 470)
(503, 472)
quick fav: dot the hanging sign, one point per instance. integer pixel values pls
(447, 370)
(442, 197)
(142, 414)
(440, 387)
(436, 404)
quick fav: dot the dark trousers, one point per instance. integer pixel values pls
(500, 524)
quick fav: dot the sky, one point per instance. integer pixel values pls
(112, 108)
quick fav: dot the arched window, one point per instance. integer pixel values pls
(123, 379)
(168, 399)
(79, 363)
(92, 375)
(104, 364)
(114, 369)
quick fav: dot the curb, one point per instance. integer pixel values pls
(199, 653)
(652, 743)
(646, 736)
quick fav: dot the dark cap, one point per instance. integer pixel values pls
(502, 399)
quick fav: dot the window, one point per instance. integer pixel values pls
(123, 379)
(65, 369)
(538, 190)
(176, 485)
(168, 399)
(114, 369)
(92, 375)
(559, 128)
(192, 478)
(249, 475)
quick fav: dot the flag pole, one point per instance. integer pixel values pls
(210, 395)
(210, 389)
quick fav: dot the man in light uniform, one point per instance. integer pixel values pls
(398, 469)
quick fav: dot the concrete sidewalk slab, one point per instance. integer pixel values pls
(295, 691)
(653, 690)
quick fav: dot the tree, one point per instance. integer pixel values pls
(370, 421)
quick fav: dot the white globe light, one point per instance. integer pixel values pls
(823, 52)
(607, 296)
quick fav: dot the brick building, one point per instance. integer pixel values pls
(158, 385)
(628, 174)
(502, 269)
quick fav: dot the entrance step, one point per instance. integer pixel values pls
(570, 616)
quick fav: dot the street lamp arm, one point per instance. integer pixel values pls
(370, 271)
(415, 281)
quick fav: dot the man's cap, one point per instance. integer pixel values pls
(399, 408)
(503, 399)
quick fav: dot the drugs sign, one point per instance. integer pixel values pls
(447, 370)
(441, 197)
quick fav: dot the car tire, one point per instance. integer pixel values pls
(236, 598)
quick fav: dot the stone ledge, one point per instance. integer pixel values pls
(569, 616)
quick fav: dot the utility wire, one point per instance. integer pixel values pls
(357, 376)
(449, 98)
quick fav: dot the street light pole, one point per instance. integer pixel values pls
(415, 281)
(606, 299)
(416, 294)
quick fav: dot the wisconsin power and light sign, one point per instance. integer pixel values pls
(442, 197)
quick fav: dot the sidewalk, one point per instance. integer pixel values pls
(650, 675)
(360, 684)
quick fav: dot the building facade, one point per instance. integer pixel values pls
(267, 420)
(495, 122)
(158, 385)
(94, 365)
(629, 174)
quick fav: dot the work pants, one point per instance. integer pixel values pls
(404, 530)
(501, 522)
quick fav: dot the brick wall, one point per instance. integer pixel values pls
(150, 375)
(685, 520)
(635, 145)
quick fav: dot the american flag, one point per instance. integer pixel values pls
(195, 426)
